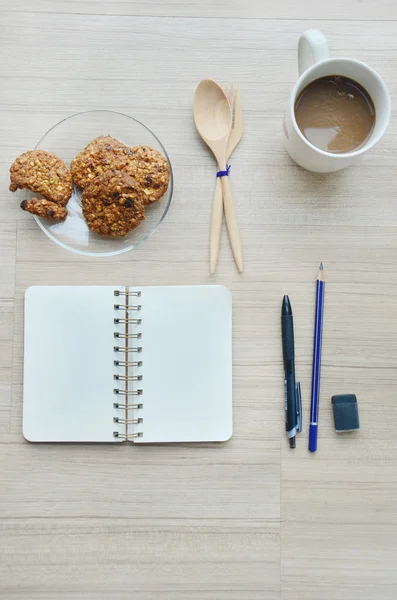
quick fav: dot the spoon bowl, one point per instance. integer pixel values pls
(213, 117)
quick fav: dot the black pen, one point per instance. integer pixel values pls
(293, 411)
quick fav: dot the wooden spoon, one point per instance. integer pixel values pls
(213, 119)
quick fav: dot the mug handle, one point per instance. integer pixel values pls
(312, 48)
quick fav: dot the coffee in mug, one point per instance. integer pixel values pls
(357, 108)
(335, 113)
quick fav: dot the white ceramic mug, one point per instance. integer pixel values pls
(314, 62)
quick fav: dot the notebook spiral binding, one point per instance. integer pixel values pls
(128, 389)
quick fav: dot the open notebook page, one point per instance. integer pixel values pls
(186, 364)
(68, 370)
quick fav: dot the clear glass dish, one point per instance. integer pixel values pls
(68, 138)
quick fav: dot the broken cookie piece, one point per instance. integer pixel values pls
(42, 173)
(45, 209)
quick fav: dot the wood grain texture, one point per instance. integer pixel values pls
(248, 520)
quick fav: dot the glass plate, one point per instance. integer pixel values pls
(68, 138)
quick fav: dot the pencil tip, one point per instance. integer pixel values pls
(320, 276)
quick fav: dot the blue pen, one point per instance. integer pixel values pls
(318, 337)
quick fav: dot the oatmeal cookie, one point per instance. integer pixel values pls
(98, 156)
(149, 168)
(42, 173)
(113, 203)
(45, 209)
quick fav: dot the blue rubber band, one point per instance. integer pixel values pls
(224, 173)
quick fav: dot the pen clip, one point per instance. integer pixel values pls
(298, 407)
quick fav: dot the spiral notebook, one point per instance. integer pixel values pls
(114, 364)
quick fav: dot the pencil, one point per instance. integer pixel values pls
(318, 337)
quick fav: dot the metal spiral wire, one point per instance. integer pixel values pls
(128, 409)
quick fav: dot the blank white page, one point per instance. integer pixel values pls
(186, 364)
(68, 368)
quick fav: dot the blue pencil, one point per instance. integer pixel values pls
(318, 338)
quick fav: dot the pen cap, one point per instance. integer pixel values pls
(287, 328)
(288, 339)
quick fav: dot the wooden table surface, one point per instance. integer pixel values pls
(247, 520)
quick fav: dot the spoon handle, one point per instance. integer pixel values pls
(216, 226)
(232, 224)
